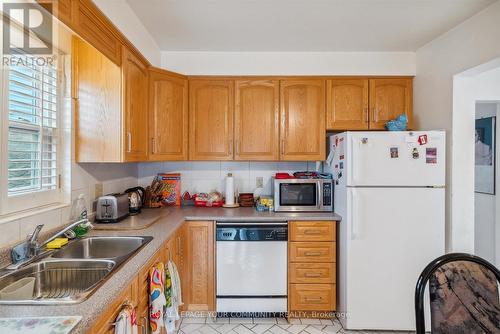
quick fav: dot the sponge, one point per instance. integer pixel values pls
(57, 243)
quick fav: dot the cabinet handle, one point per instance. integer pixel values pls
(367, 115)
(282, 146)
(230, 143)
(153, 145)
(237, 147)
(312, 254)
(178, 246)
(312, 275)
(313, 299)
(129, 142)
(144, 326)
(310, 232)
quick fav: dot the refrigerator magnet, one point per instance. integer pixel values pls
(394, 152)
(422, 139)
(431, 155)
(415, 154)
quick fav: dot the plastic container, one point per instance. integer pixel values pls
(19, 290)
(79, 212)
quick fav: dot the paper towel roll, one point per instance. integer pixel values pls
(229, 189)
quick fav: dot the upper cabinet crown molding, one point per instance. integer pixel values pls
(168, 115)
(256, 120)
(211, 109)
(302, 132)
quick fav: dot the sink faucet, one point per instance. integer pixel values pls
(33, 246)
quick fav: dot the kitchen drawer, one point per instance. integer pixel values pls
(312, 272)
(312, 297)
(312, 231)
(311, 252)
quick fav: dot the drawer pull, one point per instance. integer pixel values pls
(312, 275)
(312, 232)
(313, 299)
(312, 254)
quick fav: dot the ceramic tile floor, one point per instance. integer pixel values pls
(267, 326)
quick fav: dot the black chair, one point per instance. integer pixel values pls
(463, 295)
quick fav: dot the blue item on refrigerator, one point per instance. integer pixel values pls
(399, 124)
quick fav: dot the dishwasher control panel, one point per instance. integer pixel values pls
(249, 232)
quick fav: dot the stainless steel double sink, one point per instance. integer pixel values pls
(70, 275)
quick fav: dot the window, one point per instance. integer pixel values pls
(32, 134)
(31, 111)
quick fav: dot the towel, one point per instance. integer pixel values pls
(157, 298)
(126, 321)
(19, 252)
(174, 298)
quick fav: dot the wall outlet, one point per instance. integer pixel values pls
(259, 182)
(98, 190)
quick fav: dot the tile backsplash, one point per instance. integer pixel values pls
(198, 176)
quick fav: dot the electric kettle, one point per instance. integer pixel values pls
(136, 199)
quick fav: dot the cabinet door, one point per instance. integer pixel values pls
(104, 325)
(303, 133)
(390, 98)
(347, 104)
(168, 116)
(211, 107)
(200, 273)
(135, 84)
(97, 97)
(256, 120)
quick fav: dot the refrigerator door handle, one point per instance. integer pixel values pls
(354, 223)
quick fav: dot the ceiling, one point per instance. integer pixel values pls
(300, 25)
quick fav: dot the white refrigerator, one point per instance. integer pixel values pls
(390, 192)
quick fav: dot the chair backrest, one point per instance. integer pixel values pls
(464, 295)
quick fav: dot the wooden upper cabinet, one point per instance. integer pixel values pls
(256, 121)
(302, 131)
(211, 108)
(168, 116)
(390, 98)
(347, 104)
(97, 94)
(135, 105)
(95, 28)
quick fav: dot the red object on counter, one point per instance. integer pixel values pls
(208, 204)
(284, 176)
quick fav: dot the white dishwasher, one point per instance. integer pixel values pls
(251, 268)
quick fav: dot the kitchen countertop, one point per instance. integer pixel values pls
(167, 220)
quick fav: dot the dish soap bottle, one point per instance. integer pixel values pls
(79, 212)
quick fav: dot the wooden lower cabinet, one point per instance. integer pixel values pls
(311, 267)
(199, 268)
(312, 297)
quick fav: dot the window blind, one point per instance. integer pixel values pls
(32, 136)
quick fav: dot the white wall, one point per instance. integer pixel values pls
(485, 204)
(470, 44)
(210, 175)
(120, 13)
(290, 63)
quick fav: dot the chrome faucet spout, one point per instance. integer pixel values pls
(34, 248)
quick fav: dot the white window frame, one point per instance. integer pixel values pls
(36, 199)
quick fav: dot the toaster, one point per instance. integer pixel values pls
(111, 208)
